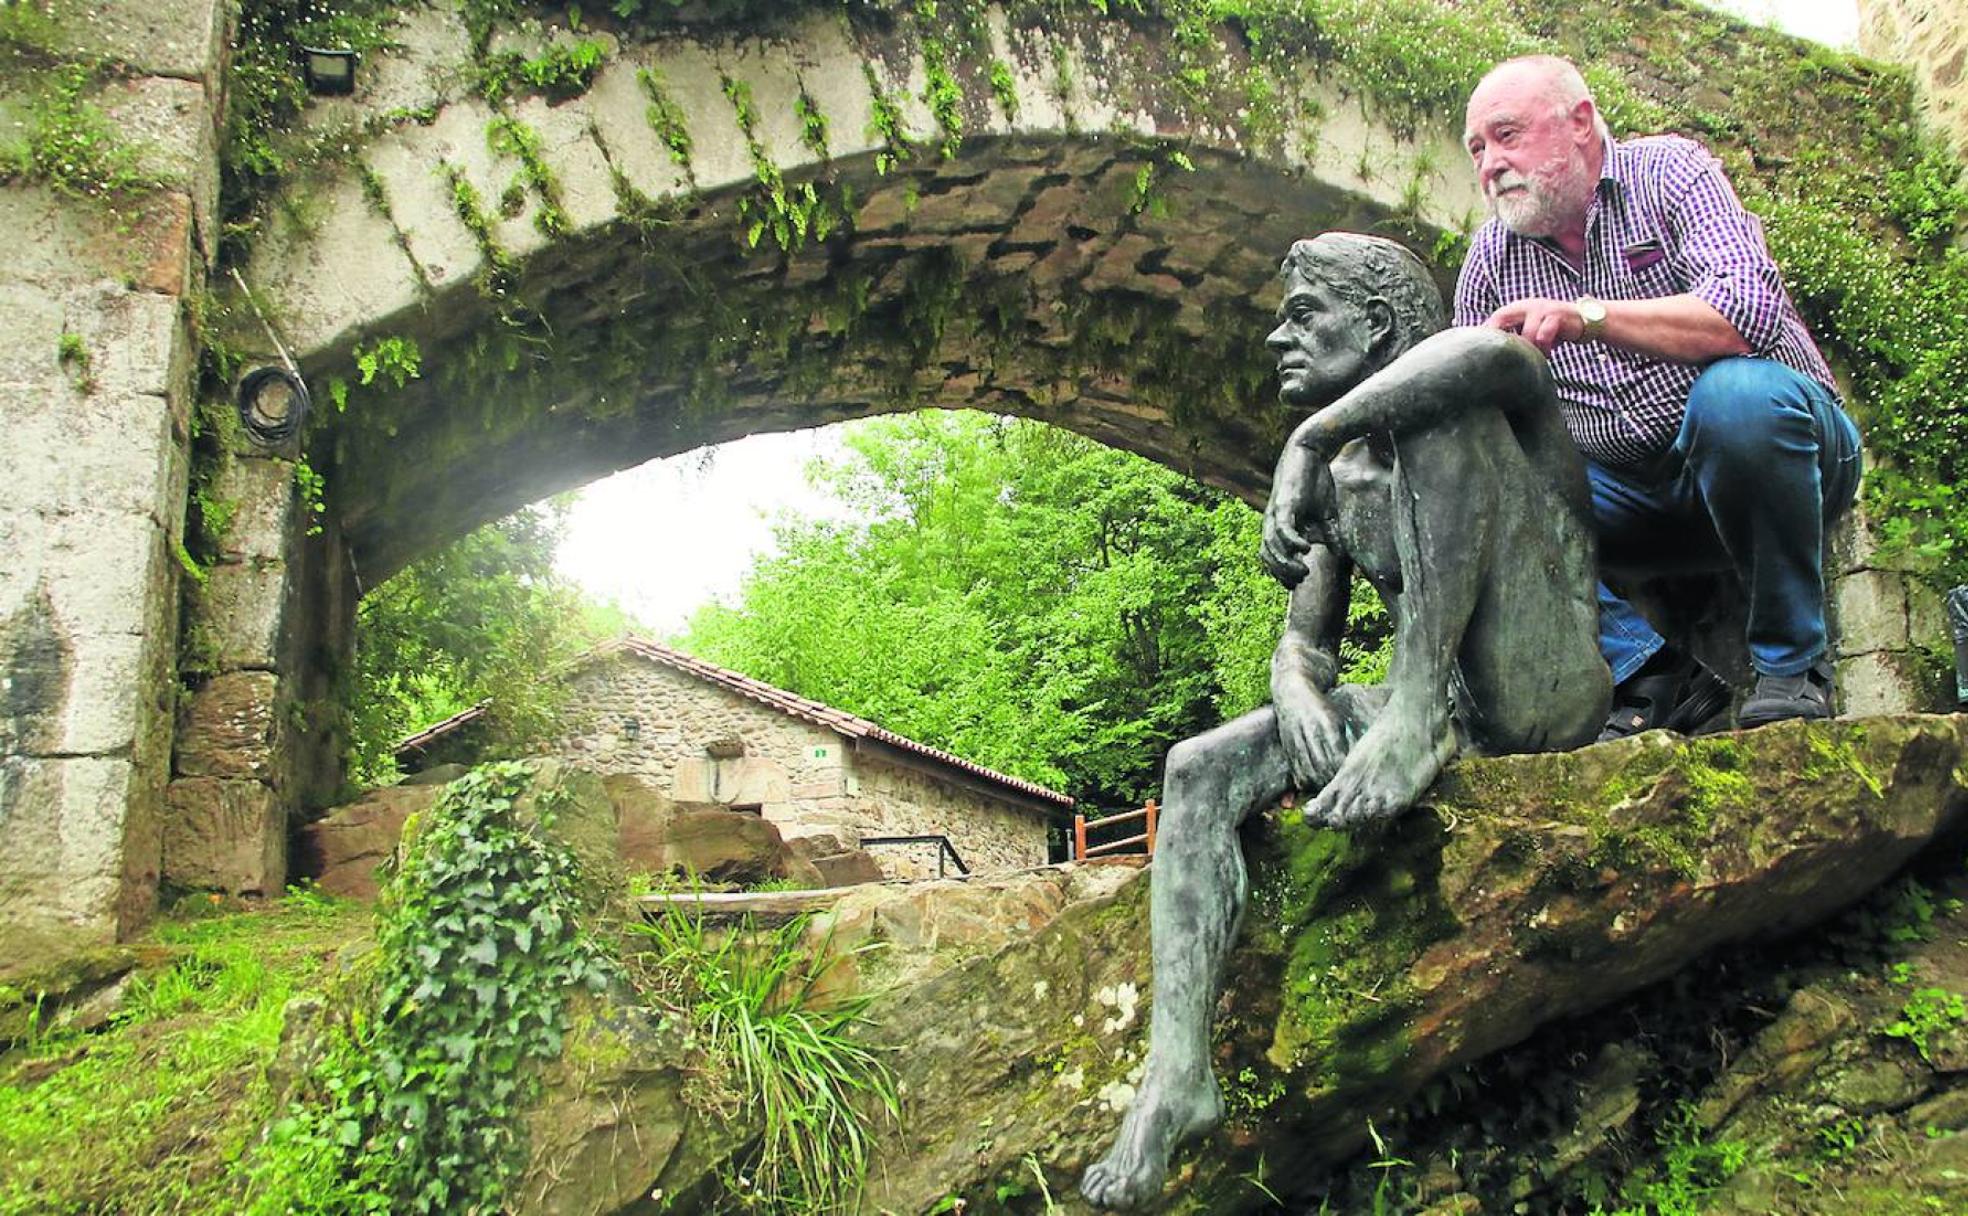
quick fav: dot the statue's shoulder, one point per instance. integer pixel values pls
(1476, 344)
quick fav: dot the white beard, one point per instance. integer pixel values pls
(1554, 192)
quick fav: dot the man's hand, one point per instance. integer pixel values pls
(1298, 489)
(1543, 323)
(1312, 730)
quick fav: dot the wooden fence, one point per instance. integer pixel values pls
(1141, 844)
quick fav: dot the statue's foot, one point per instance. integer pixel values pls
(1163, 1116)
(1387, 771)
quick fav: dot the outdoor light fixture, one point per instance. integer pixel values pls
(631, 728)
(330, 72)
(273, 403)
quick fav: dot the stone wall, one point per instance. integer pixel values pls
(1931, 37)
(804, 778)
(677, 718)
(990, 834)
(96, 365)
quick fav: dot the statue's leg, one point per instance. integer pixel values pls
(1196, 902)
(1444, 509)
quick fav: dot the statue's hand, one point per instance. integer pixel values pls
(1301, 481)
(1312, 730)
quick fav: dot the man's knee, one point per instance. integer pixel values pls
(1741, 407)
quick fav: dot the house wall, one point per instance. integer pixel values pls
(988, 833)
(804, 778)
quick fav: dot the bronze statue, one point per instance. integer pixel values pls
(1437, 462)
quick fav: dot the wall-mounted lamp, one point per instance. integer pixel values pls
(631, 729)
(273, 403)
(329, 72)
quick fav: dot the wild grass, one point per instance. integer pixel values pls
(154, 1112)
(779, 1044)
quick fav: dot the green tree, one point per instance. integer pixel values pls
(482, 619)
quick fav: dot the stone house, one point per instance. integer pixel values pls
(702, 734)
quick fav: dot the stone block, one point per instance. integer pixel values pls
(461, 141)
(100, 571)
(773, 76)
(61, 846)
(831, 72)
(1027, 51)
(689, 75)
(425, 65)
(75, 446)
(620, 110)
(230, 728)
(567, 144)
(240, 609)
(1879, 683)
(260, 494)
(330, 265)
(181, 38)
(222, 835)
(116, 694)
(724, 846)
(341, 851)
(1870, 609)
(54, 242)
(409, 164)
(137, 341)
(1927, 622)
(168, 124)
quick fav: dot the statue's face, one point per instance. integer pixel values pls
(1322, 342)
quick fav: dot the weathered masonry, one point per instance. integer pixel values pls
(1076, 220)
(706, 736)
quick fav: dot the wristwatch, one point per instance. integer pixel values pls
(1593, 313)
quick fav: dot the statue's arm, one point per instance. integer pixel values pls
(1435, 379)
(1305, 667)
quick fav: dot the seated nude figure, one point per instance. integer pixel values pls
(1437, 462)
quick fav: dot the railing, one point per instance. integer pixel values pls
(944, 849)
(1113, 848)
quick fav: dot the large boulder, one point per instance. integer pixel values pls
(1524, 890)
(342, 850)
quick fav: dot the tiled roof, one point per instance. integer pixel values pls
(837, 720)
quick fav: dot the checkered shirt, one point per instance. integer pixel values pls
(1662, 222)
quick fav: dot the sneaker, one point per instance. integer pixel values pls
(1679, 699)
(1779, 698)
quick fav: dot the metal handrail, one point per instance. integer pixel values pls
(944, 849)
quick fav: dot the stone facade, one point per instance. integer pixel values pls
(95, 396)
(1931, 37)
(698, 742)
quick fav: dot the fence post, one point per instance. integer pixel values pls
(1151, 809)
(1079, 837)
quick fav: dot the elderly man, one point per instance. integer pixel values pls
(1437, 464)
(1708, 419)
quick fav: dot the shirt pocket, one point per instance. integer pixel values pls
(1645, 268)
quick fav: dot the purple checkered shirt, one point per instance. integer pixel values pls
(1663, 221)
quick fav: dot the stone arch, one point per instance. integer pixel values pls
(1098, 257)
(599, 282)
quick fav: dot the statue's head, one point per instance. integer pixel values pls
(1353, 304)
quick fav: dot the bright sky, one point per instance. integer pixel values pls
(663, 538)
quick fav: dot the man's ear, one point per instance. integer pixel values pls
(1380, 324)
(1583, 115)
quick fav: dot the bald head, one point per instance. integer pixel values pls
(1548, 82)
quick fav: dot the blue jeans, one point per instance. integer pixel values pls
(1764, 463)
